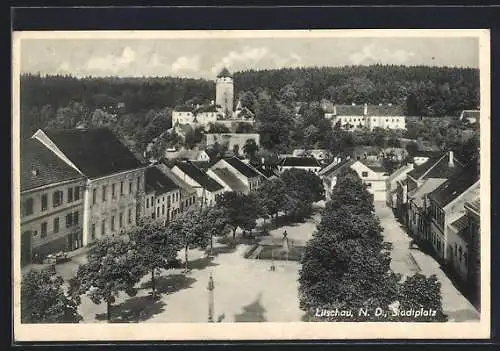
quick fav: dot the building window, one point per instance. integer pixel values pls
(69, 220)
(43, 231)
(158, 201)
(57, 198)
(162, 209)
(94, 196)
(77, 193)
(70, 194)
(147, 202)
(75, 218)
(28, 207)
(121, 187)
(138, 184)
(364, 174)
(44, 202)
(103, 227)
(113, 195)
(157, 212)
(120, 220)
(104, 193)
(56, 225)
(368, 185)
(168, 201)
(112, 223)
(129, 215)
(92, 232)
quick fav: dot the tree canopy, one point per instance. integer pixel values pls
(43, 299)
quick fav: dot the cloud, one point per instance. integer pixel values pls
(186, 64)
(64, 67)
(111, 63)
(255, 58)
(371, 54)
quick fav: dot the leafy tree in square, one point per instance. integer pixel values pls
(240, 210)
(272, 196)
(191, 231)
(155, 247)
(306, 185)
(43, 299)
(111, 268)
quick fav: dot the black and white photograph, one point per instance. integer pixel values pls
(251, 184)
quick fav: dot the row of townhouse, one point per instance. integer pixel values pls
(438, 201)
(228, 174)
(371, 173)
(81, 184)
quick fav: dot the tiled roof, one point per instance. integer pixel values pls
(199, 176)
(471, 114)
(40, 166)
(399, 171)
(359, 110)
(474, 205)
(266, 171)
(374, 166)
(385, 110)
(184, 108)
(456, 184)
(96, 152)
(247, 170)
(349, 110)
(428, 186)
(460, 224)
(300, 162)
(332, 168)
(184, 154)
(175, 178)
(158, 182)
(224, 73)
(205, 108)
(437, 167)
(230, 179)
(443, 170)
(202, 164)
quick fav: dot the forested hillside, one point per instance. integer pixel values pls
(139, 109)
(427, 91)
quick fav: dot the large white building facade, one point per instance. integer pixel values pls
(352, 117)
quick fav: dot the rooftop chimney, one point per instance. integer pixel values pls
(335, 110)
(365, 112)
(451, 162)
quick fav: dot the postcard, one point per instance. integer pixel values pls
(251, 185)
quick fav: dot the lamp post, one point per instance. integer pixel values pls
(211, 288)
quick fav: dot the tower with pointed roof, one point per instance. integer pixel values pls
(224, 92)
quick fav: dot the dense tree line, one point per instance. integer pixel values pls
(427, 91)
(285, 101)
(346, 266)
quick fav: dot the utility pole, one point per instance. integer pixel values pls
(210, 289)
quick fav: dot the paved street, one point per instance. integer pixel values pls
(404, 260)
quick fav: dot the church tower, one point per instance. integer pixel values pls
(224, 92)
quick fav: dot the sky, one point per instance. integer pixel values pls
(204, 58)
